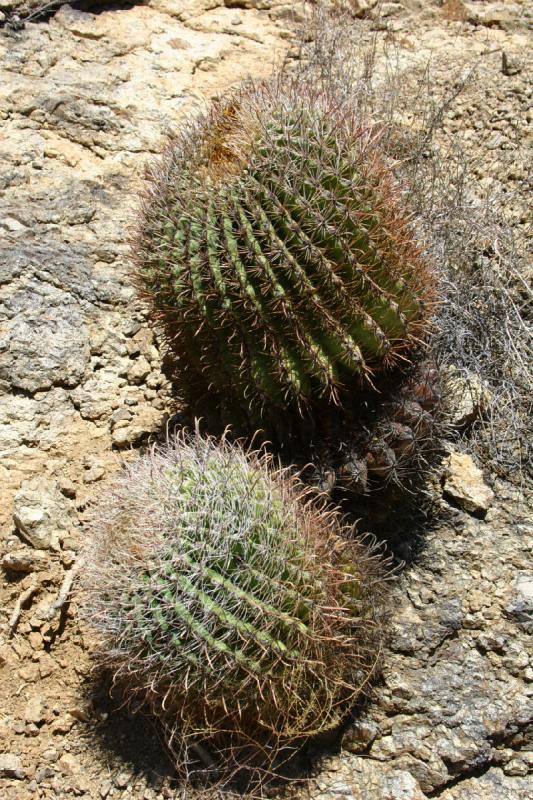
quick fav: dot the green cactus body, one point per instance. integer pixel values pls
(285, 270)
(227, 598)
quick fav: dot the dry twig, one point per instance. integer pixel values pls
(23, 598)
(64, 592)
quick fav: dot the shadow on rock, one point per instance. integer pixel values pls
(128, 741)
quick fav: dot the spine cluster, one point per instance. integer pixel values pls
(276, 254)
(221, 591)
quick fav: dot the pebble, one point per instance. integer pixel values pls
(521, 606)
(35, 711)
(360, 735)
(24, 560)
(6, 654)
(121, 780)
(463, 483)
(43, 773)
(93, 474)
(11, 766)
(62, 724)
(41, 513)
(105, 788)
(139, 371)
(68, 764)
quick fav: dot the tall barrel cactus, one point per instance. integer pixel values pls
(228, 599)
(274, 248)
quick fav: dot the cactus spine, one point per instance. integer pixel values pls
(226, 597)
(273, 246)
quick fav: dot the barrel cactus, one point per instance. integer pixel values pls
(228, 599)
(273, 246)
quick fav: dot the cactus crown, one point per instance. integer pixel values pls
(273, 247)
(227, 597)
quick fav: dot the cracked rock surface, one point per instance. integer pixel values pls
(85, 97)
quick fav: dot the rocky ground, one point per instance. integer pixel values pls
(85, 96)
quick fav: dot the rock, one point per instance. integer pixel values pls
(35, 640)
(35, 711)
(123, 437)
(24, 560)
(99, 395)
(384, 10)
(41, 513)
(256, 4)
(67, 487)
(401, 785)
(139, 371)
(47, 665)
(68, 764)
(31, 730)
(81, 713)
(43, 774)
(497, 15)
(11, 766)
(492, 785)
(361, 7)
(107, 341)
(521, 605)
(44, 343)
(120, 415)
(6, 654)
(79, 23)
(141, 343)
(93, 474)
(121, 780)
(510, 64)
(418, 635)
(465, 396)
(463, 483)
(62, 724)
(359, 736)
(128, 433)
(105, 788)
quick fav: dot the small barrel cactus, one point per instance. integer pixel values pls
(274, 248)
(228, 599)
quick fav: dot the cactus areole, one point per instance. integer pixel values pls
(273, 246)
